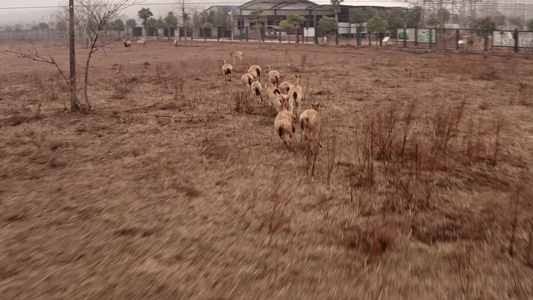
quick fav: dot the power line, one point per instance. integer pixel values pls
(136, 4)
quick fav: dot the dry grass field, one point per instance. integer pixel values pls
(173, 187)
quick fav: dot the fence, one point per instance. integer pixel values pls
(467, 39)
(47, 34)
(50, 34)
(414, 38)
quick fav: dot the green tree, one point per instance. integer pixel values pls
(530, 25)
(61, 26)
(144, 14)
(371, 12)
(197, 20)
(41, 26)
(414, 16)
(293, 22)
(131, 23)
(396, 19)
(117, 25)
(433, 21)
(221, 18)
(336, 5)
(296, 20)
(206, 25)
(443, 15)
(285, 25)
(152, 22)
(358, 16)
(160, 23)
(328, 24)
(210, 16)
(171, 21)
(484, 26)
(499, 19)
(258, 17)
(377, 24)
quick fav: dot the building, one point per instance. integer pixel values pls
(277, 11)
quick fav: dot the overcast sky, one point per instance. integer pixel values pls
(28, 15)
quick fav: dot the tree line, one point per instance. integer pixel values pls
(369, 18)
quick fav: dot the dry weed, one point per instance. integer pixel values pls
(120, 92)
(374, 242)
(279, 217)
(445, 127)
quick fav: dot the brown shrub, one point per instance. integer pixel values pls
(120, 92)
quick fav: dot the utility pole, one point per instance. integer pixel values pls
(72, 47)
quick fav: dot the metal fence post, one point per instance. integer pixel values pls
(430, 38)
(516, 40)
(380, 39)
(486, 42)
(241, 25)
(358, 36)
(416, 36)
(279, 36)
(349, 33)
(247, 33)
(405, 37)
(316, 28)
(337, 37)
(457, 38)
(297, 36)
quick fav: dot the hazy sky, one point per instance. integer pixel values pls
(26, 15)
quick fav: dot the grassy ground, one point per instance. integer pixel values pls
(171, 187)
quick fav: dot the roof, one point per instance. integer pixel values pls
(373, 3)
(285, 5)
(318, 4)
(233, 8)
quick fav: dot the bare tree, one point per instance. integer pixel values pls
(74, 103)
(33, 54)
(185, 18)
(93, 17)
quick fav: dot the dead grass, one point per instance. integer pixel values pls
(172, 186)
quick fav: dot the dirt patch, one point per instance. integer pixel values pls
(175, 185)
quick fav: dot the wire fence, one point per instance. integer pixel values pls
(411, 38)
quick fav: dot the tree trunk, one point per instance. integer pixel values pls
(72, 47)
(86, 83)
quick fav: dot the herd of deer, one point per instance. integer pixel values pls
(283, 96)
